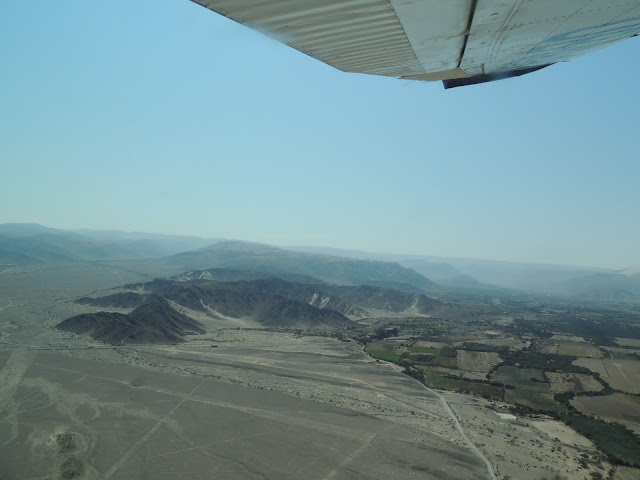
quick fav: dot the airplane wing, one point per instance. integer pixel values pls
(461, 42)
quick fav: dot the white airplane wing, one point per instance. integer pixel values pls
(461, 42)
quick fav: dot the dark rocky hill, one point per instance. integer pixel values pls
(155, 322)
(153, 319)
(240, 299)
(354, 301)
(117, 300)
(246, 300)
(271, 302)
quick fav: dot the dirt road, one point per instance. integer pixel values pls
(458, 425)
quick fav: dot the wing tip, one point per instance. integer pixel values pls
(489, 77)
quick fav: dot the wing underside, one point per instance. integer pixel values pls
(458, 41)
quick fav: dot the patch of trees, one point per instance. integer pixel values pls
(522, 327)
(621, 445)
(601, 331)
(381, 333)
(565, 399)
(449, 351)
(414, 372)
(544, 361)
(425, 358)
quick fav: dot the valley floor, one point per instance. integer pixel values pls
(257, 405)
(251, 403)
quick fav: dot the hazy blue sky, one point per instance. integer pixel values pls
(162, 116)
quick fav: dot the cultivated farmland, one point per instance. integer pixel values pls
(620, 408)
(622, 375)
(480, 362)
(522, 378)
(532, 399)
(572, 349)
(573, 382)
(628, 342)
(626, 473)
(579, 350)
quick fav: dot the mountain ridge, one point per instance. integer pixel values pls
(329, 269)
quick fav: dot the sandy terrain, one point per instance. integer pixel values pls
(236, 403)
(125, 421)
(524, 448)
(259, 404)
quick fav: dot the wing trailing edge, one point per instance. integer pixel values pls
(461, 42)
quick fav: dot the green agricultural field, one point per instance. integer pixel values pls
(445, 383)
(420, 358)
(382, 345)
(543, 361)
(487, 391)
(432, 351)
(442, 382)
(384, 355)
(531, 389)
(527, 379)
(577, 350)
(533, 400)
(447, 362)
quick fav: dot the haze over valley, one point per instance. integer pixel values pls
(149, 356)
(33, 244)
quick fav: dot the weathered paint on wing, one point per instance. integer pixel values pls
(450, 40)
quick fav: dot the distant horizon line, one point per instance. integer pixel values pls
(428, 257)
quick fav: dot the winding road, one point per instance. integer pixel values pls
(472, 445)
(458, 425)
